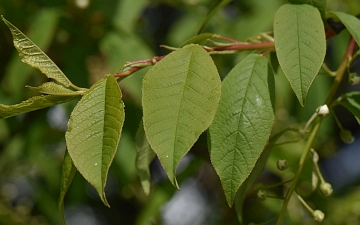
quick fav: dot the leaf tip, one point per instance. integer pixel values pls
(104, 200)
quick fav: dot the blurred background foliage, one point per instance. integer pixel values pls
(90, 38)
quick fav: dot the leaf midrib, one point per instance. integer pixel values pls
(180, 106)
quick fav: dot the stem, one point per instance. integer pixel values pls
(298, 172)
(340, 72)
(139, 64)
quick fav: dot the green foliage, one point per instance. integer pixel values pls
(243, 122)
(300, 45)
(145, 155)
(180, 98)
(35, 57)
(351, 23)
(34, 103)
(94, 131)
(352, 103)
(186, 94)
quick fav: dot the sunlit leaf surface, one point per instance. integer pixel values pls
(94, 131)
(180, 98)
(35, 57)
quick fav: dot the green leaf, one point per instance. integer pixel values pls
(144, 157)
(180, 98)
(300, 45)
(32, 104)
(94, 130)
(41, 30)
(319, 4)
(351, 23)
(52, 88)
(68, 173)
(35, 57)
(243, 123)
(352, 104)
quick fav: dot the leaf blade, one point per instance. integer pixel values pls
(52, 88)
(32, 55)
(180, 98)
(67, 175)
(144, 157)
(300, 45)
(351, 23)
(243, 123)
(32, 104)
(94, 131)
(352, 104)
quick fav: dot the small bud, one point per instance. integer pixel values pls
(323, 110)
(326, 189)
(262, 194)
(318, 216)
(282, 164)
(354, 78)
(346, 136)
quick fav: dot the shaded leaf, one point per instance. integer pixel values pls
(35, 57)
(144, 157)
(67, 175)
(52, 88)
(319, 4)
(351, 23)
(94, 130)
(300, 45)
(352, 104)
(243, 123)
(32, 104)
(180, 98)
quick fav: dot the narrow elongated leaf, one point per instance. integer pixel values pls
(35, 57)
(319, 4)
(41, 31)
(52, 88)
(243, 122)
(94, 130)
(32, 104)
(300, 45)
(351, 23)
(144, 157)
(68, 173)
(180, 98)
(353, 104)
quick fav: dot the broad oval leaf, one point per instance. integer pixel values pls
(94, 130)
(243, 123)
(180, 98)
(35, 57)
(52, 88)
(351, 23)
(32, 104)
(300, 45)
